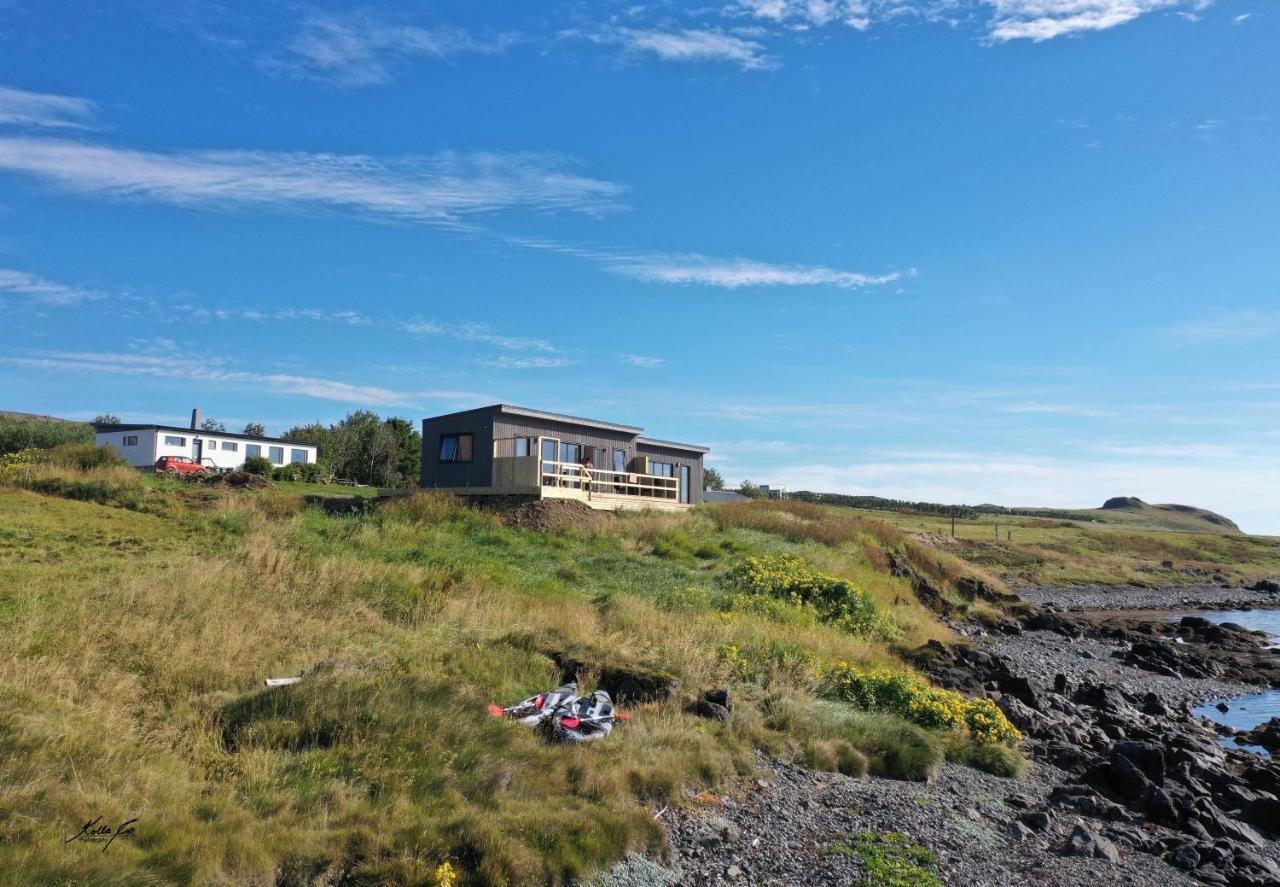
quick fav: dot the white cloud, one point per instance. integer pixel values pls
(1241, 18)
(440, 189)
(362, 51)
(21, 108)
(45, 292)
(691, 268)
(1233, 326)
(1039, 20)
(163, 364)
(684, 45)
(1035, 20)
(528, 363)
(642, 361)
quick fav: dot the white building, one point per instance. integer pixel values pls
(143, 445)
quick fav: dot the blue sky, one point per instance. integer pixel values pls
(1013, 251)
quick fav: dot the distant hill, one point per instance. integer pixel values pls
(1121, 510)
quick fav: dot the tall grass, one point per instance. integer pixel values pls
(133, 653)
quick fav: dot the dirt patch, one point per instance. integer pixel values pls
(234, 479)
(552, 514)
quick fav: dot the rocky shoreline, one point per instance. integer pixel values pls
(1126, 786)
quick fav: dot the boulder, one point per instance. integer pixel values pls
(1084, 841)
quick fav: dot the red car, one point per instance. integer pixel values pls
(179, 465)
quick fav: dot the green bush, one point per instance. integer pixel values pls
(84, 456)
(28, 432)
(258, 465)
(836, 601)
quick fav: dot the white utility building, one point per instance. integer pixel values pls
(143, 445)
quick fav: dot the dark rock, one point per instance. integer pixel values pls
(718, 697)
(1038, 820)
(1147, 756)
(1086, 842)
(704, 709)
(1185, 857)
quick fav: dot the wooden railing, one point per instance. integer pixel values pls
(574, 476)
(513, 454)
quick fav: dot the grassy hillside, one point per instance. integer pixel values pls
(142, 615)
(1135, 514)
(1122, 546)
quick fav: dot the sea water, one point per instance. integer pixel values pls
(1245, 712)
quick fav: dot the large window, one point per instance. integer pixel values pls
(297, 455)
(230, 445)
(662, 469)
(524, 446)
(172, 441)
(131, 440)
(456, 447)
(252, 451)
(570, 452)
(276, 455)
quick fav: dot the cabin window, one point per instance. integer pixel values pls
(230, 445)
(131, 440)
(570, 452)
(662, 469)
(684, 483)
(172, 441)
(276, 454)
(252, 451)
(524, 446)
(456, 447)
(619, 460)
(297, 455)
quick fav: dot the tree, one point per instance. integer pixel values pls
(106, 419)
(712, 479)
(212, 424)
(751, 491)
(366, 448)
(255, 429)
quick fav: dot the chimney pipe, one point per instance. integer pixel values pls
(195, 419)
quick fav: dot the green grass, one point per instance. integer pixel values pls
(1119, 548)
(135, 637)
(890, 859)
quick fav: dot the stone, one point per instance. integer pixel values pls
(705, 709)
(1185, 857)
(1085, 841)
(1037, 820)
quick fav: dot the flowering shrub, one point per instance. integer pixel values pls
(14, 465)
(446, 875)
(913, 698)
(835, 601)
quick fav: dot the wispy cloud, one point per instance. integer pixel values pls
(162, 364)
(359, 50)
(692, 268)
(1035, 20)
(441, 189)
(1233, 326)
(45, 292)
(1039, 20)
(21, 108)
(528, 363)
(1241, 18)
(1053, 409)
(642, 361)
(478, 332)
(683, 45)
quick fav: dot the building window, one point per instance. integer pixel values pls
(662, 469)
(252, 451)
(619, 460)
(230, 445)
(276, 455)
(524, 446)
(131, 440)
(455, 447)
(297, 455)
(172, 441)
(570, 452)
